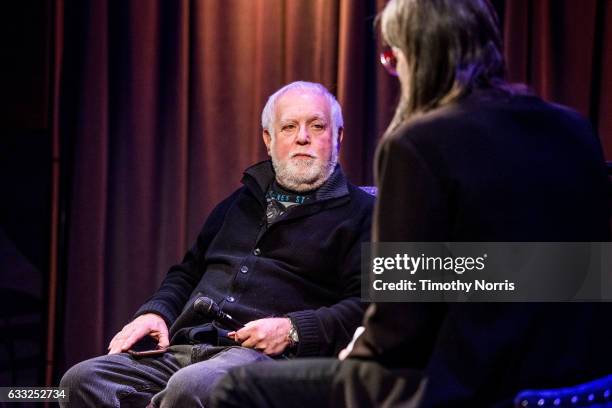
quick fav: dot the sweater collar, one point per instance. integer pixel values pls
(259, 176)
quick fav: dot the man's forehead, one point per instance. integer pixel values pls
(300, 102)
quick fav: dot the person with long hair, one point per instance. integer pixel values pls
(467, 157)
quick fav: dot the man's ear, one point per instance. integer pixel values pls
(267, 138)
(340, 136)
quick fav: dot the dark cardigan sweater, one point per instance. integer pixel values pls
(306, 265)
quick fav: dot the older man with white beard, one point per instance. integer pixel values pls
(282, 253)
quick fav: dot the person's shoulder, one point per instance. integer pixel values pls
(569, 114)
(429, 126)
(480, 112)
(554, 117)
(229, 200)
(361, 202)
(529, 102)
(425, 130)
(217, 216)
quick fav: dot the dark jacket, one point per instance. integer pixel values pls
(306, 265)
(492, 167)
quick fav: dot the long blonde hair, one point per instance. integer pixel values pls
(450, 46)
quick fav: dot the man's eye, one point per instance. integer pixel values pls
(288, 127)
(318, 126)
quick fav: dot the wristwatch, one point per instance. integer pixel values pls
(292, 336)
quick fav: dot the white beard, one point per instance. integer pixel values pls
(303, 174)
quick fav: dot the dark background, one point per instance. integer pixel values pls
(124, 122)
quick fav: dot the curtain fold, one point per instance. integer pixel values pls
(560, 48)
(86, 248)
(602, 113)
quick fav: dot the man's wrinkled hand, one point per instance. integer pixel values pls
(146, 324)
(270, 335)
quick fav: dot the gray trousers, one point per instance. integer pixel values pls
(182, 377)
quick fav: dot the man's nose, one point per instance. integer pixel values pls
(303, 136)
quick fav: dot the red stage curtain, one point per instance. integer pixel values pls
(561, 48)
(158, 106)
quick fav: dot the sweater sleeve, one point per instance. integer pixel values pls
(326, 330)
(182, 278)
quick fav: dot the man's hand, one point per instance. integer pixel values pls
(146, 324)
(269, 335)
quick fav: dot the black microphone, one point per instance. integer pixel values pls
(209, 308)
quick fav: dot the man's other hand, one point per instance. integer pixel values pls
(146, 324)
(269, 335)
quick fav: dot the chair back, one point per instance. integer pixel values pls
(371, 190)
(593, 394)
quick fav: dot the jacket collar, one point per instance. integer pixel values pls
(258, 178)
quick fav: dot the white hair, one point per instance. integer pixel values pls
(269, 111)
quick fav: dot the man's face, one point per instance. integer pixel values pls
(303, 150)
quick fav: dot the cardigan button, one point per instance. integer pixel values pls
(244, 269)
(257, 252)
(230, 299)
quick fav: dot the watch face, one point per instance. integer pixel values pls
(293, 334)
